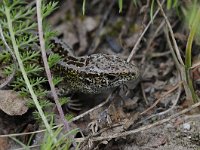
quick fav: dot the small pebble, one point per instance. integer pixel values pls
(169, 125)
(186, 126)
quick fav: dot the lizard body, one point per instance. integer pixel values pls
(94, 73)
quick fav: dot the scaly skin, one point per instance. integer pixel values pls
(92, 74)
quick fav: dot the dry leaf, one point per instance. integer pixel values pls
(4, 143)
(12, 103)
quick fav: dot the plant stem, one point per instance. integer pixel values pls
(189, 49)
(188, 63)
(21, 66)
(47, 69)
(188, 54)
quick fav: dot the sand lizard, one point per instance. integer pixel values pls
(92, 74)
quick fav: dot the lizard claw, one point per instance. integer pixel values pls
(74, 105)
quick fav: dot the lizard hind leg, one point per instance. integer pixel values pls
(68, 103)
(73, 105)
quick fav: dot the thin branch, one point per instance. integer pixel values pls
(149, 52)
(126, 133)
(47, 69)
(174, 103)
(95, 42)
(195, 65)
(171, 33)
(177, 58)
(141, 36)
(178, 66)
(121, 134)
(10, 78)
(143, 93)
(158, 100)
(21, 66)
(166, 111)
(93, 109)
(28, 133)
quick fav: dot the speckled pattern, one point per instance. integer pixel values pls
(94, 73)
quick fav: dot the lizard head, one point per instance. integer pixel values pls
(108, 71)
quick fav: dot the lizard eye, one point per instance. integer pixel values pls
(111, 77)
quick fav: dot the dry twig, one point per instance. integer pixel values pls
(141, 36)
(151, 41)
(126, 133)
(95, 42)
(158, 100)
(93, 109)
(176, 55)
(10, 78)
(166, 111)
(47, 69)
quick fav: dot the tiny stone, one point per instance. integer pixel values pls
(186, 126)
(169, 125)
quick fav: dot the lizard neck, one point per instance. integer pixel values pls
(66, 52)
